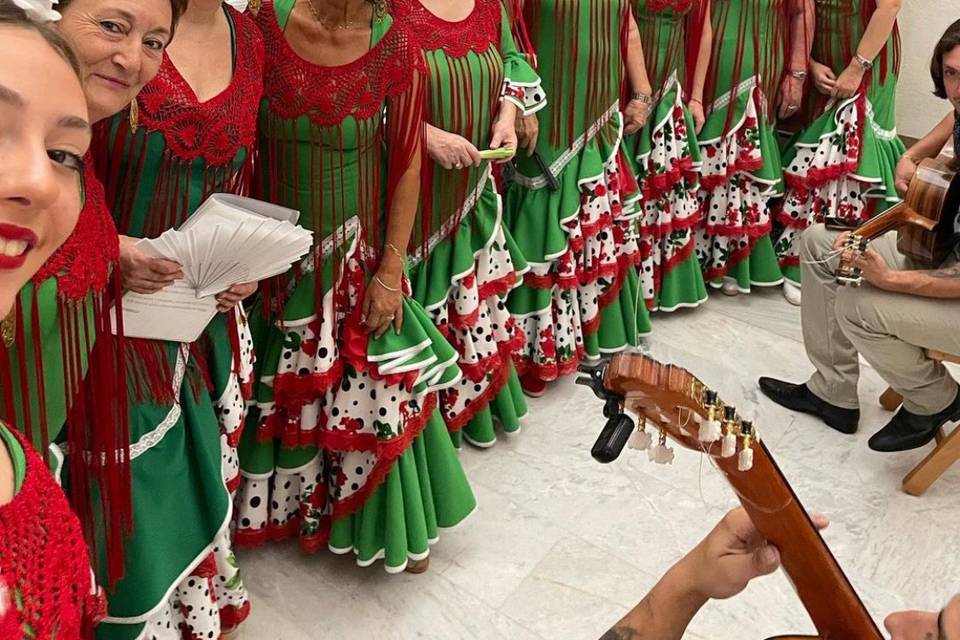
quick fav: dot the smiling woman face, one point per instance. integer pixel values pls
(120, 45)
(44, 133)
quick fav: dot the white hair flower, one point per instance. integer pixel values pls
(39, 10)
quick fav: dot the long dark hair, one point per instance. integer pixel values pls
(948, 41)
(13, 16)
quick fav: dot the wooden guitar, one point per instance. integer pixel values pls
(672, 403)
(924, 219)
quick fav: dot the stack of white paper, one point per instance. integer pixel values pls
(229, 240)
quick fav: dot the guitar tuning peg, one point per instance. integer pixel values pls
(711, 429)
(745, 461)
(729, 446)
(640, 440)
(661, 454)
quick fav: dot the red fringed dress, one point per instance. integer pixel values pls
(344, 447)
(843, 164)
(579, 235)
(741, 169)
(46, 584)
(464, 260)
(189, 400)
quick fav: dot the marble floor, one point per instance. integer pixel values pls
(561, 546)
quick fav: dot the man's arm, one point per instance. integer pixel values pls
(941, 283)
(720, 567)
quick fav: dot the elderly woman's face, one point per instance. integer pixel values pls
(44, 133)
(120, 45)
(951, 76)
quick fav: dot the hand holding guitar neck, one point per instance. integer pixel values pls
(673, 404)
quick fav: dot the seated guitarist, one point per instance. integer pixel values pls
(721, 566)
(891, 321)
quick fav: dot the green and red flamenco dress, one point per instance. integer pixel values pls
(574, 207)
(842, 166)
(741, 169)
(188, 400)
(665, 156)
(345, 448)
(464, 262)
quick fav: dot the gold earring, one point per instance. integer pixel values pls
(379, 10)
(254, 6)
(134, 116)
(8, 328)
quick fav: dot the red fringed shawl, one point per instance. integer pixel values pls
(606, 18)
(44, 561)
(215, 130)
(390, 73)
(88, 283)
(469, 108)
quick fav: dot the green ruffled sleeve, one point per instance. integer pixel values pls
(521, 84)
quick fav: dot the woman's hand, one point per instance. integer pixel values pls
(823, 78)
(635, 116)
(233, 296)
(383, 302)
(699, 116)
(528, 133)
(849, 81)
(451, 151)
(141, 273)
(791, 93)
(906, 169)
(504, 135)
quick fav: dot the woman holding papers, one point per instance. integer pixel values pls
(189, 133)
(573, 207)
(345, 448)
(842, 166)
(46, 589)
(465, 261)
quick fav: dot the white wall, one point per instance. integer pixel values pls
(922, 22)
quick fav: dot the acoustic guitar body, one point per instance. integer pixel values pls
(939, 200)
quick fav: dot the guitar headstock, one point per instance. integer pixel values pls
(669, 402)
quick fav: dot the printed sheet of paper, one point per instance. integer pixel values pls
(229, 240)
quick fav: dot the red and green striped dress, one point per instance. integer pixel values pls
(463, 260)
(345, 448)
(581, 297)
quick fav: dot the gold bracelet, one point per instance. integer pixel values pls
(393, 247)
(385, 286)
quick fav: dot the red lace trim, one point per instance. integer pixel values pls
(45, 557)
(678, 6)
(84, 262)
(329, 95)
(218, 128)
(481, 402)
(477, 32)
(735, 258)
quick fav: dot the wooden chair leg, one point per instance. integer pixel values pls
(891, 400)
(935, 464)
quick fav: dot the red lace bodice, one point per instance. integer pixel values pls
(44, 557)
(679, 7)
(218, 128)
(328, 95)
(84, 261)
(477, 32)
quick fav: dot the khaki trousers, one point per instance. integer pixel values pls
(890, 330)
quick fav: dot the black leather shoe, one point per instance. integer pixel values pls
(909, 431)
(797, 397)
